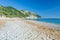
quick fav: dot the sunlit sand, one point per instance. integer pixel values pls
(20, 29)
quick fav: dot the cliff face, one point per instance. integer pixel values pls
(12, 12)
(17, 29)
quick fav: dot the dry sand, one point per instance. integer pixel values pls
(19, 29)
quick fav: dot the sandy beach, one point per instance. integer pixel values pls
(20, 29)
(50, 25)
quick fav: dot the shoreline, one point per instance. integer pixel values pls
(29, 28)
(50, 25)
(44, 21)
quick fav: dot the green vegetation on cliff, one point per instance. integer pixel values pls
(12, 12)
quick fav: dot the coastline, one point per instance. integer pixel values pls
(47, 27)
(29, 28)
(50, 25)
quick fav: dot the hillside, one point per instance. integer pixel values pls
(12, 12)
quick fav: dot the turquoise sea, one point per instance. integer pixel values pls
(49, 20)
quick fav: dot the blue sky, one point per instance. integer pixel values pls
(45, 8)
